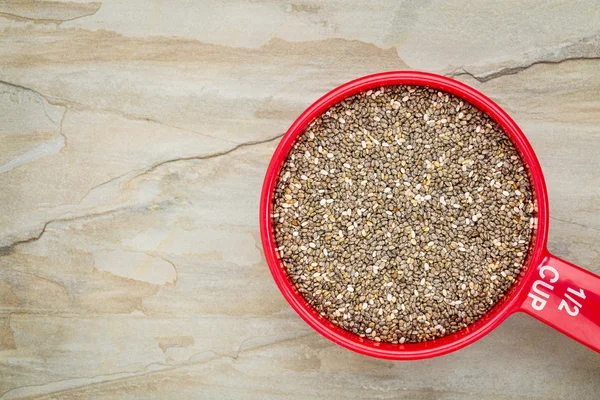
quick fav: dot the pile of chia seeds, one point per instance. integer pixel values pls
(403, 214)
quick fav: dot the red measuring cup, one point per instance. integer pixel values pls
(552, 290)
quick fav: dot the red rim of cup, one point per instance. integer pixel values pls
(446, 344)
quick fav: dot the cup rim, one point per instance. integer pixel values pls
(410, 351)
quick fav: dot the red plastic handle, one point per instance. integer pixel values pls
(565, 297)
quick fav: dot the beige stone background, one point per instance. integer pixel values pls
(134, 136)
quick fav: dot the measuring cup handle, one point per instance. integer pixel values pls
(565, 297)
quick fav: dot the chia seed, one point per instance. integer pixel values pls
(403, 214)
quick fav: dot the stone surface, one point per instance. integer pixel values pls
(134, 137)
